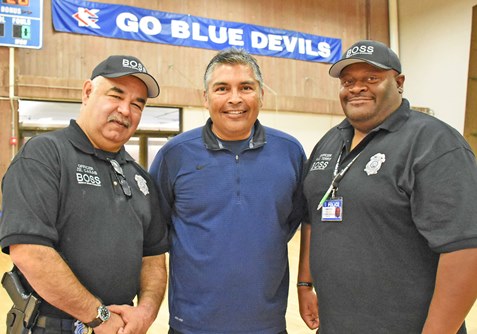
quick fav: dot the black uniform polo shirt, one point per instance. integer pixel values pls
(61, 192)
(409, 196)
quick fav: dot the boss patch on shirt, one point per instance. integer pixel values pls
(321, 162)
(87, 175)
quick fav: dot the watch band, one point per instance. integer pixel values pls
(95, 323)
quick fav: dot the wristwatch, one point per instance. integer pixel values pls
(103, 315)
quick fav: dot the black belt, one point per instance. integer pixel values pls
(57, 323)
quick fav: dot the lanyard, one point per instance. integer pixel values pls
(336, 178)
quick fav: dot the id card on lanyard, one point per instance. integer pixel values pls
(332, 208)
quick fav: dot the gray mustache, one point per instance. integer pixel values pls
(120, 120)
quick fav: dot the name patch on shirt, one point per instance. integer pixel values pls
(321, 162)
(87, 175)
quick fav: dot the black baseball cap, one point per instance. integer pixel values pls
(119, 66)
(366, 51)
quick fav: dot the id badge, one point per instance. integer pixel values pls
(332, 210)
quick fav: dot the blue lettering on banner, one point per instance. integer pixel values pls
(133, 23)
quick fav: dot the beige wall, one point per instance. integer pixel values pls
(434, 37)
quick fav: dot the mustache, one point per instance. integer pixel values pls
(118, 119)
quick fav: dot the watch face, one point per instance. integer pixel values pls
(103, 313)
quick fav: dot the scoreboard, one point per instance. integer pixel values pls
(21, 23)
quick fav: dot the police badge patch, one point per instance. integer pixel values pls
(374, 164)
(142, 184)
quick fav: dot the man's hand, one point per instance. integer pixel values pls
(308, 302)
(137, 319)
(307, 299)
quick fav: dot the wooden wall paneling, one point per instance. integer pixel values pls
(6, 150)
(379, 21)
(67, 59)
(49, 88)
(470, 123)
(4, 71)
(5, 113)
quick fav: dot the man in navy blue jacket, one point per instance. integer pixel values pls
(231, 192)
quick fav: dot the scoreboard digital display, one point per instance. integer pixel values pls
(21, 23)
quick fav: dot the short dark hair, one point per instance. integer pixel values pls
(233, 56)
